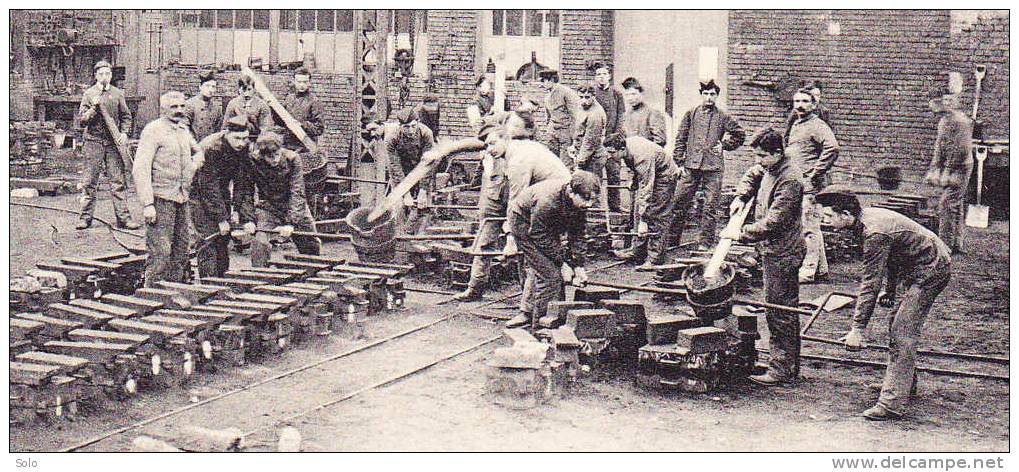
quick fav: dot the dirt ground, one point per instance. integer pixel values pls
(443, 408)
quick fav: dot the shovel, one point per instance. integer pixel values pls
(976, 215)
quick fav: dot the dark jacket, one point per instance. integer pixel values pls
(280, 188)
(645, 121)
(542, 213)
(306, 109)
(205, 117)
(953, 149)
(485, 103)
(649, 164)
(777, 227)
(404, 149)
(589, 134)
(700, 130)
(611, 100)
(258, 112)
(561, 103)
(896, 244)
(210, 187)
(112, 101)
(813, 149)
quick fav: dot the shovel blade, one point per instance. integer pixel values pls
(977, 216)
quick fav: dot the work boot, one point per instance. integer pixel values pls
(472, 294)
(880, 413)
(519, 321)
(877, 386)
(84, 223)
(766, 380)
(128, 224)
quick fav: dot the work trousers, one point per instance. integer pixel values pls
(711, 182)
(543, 283)
(816, 261)
(904, 335)
(261, 248)
(660, 218)
(489, 234)
(167, 241)
(612, 166)
(782, 287)
(214, 256)
(104, 158)
(559, 141)
(950, 210)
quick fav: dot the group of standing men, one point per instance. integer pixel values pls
(197, 164)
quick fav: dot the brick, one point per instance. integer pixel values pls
(590, 323)
(595, 294)
(662, 330)
(517, 335)
(702, 340)
(555, 312)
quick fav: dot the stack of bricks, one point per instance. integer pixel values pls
(452, 57)
(874, 65)
(335, 91)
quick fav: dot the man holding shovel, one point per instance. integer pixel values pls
(776, 185)
(951, 166)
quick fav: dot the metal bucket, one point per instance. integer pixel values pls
(372, 243)
(714, 302)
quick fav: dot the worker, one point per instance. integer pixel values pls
(306, 108)
(588, 149)
(775, 185)
(951, 165)
(917, 263)
(812, 148)
(204, 112)
(518, 162)
(275, 173)
(812, 86)
(611, 100)
(484, 96)
(246, 103)
(225, 154)
(403, 146)
(164, 165)
(98, 102)
(539, 217)
(704, 134)
(640, 119)
(655, 184)
(561, 106)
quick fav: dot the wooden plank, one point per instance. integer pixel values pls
(85, 262)
(189, 325)
(211, 317)
(238, 314)
(235, 283)
(264, 298)
(32, 374)
(94, 335)
(292, 124)
(261, 308)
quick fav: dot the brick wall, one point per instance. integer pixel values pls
(335, 91)
(985, 42)
(874, 65)
(585, 37)
(452, 57)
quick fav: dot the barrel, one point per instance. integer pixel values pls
(711, 303)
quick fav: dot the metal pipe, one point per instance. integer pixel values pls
(926, 352)
(929, 370)
(638, 288)
(356, 179)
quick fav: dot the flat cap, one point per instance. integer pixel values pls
(102, 63)
(237, 123)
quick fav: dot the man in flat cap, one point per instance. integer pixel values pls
(164, 167)
(813, 86)
(403, 146)
(101, 146)
(588, 150)
(204, 112)
(641, 119)
(275, 173)
(305, 107)
(247, 104)
(951, 165)
(562, 105)
(225, 155)
(705, 132)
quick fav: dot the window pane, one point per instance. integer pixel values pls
(497, 22)
(190, 19)
(261, 19)
(514, 22)
(345, 20)
(242, 19)
(226, 18)
(534, 19)
(403, 19)
(552, 18)
(288, 19)
(207, 20)
(306, 20)
(325, 20)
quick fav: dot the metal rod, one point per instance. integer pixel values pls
(773, 306)
(637, 288)
(926, 352)
(817, 313)
(356, 179)
(929, 370)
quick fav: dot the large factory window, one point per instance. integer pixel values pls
(516, 35)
